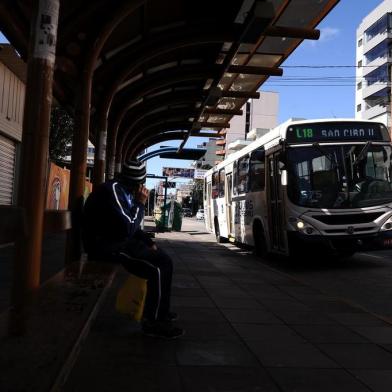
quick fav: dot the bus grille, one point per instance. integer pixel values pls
(348, 219)
(344, 231)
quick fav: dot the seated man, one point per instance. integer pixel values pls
(111, 233)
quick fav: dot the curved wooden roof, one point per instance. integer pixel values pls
(169, 69)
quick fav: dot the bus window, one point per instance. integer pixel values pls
(257, 171)
(215, 185)
(221, 183)
(243, 174)
(205, 188)
(235, 179)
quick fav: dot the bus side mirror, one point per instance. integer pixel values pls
(283, 177)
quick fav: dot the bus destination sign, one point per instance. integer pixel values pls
(336, 131)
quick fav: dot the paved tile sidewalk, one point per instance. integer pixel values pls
(248, 328)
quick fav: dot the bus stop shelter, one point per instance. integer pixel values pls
(134, 73)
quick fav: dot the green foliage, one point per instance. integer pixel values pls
(61, 130)
(197, 194)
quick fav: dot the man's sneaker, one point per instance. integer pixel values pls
(161, 329)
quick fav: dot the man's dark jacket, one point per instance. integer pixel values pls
(111, 216)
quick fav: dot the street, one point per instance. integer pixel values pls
(364, 279)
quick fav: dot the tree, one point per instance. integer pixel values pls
(197, 194)
(61, 130)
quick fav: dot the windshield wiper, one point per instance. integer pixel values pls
(329, 156)
(363, 153)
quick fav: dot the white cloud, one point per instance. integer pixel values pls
(326, 34)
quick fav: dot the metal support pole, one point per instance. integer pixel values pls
(79, 165)
(34, 158)
(148, 205)
(164, 205)
(100, 153)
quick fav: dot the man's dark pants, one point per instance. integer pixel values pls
(155, 266)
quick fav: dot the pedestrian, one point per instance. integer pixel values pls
(112, 216)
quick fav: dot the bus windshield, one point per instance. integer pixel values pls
(340, 176)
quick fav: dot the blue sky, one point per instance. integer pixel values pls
(303, 98)
(336, 47)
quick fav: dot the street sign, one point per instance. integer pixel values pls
(199, 174)
(178, 172)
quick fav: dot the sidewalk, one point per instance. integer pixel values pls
(248, 328)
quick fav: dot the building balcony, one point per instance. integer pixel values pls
(374, 88)
(377, 39)
(221, 152)
(375, 111)
(221, 142)
(378, 62)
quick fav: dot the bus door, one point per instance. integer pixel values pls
(208, 205)
(229, 215)
(275, 196)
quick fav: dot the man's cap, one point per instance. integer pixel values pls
(134, 171)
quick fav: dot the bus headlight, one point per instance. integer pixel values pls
(300, 225)
(303, 227)
(387, 224)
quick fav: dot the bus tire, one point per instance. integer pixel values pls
(260, 247)
(219, 238)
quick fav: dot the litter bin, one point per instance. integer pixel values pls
(177, 217)
(162, 221)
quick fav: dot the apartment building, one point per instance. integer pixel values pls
(259, 113)
(210, 158)
(374, 61)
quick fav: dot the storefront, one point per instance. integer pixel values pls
(12, 93)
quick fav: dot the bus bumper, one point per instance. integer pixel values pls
(379, 241)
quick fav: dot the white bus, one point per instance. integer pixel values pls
(306, 185)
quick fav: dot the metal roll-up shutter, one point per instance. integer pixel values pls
(7, 170)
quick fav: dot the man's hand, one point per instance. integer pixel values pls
(142, 194)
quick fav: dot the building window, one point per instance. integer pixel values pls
(379, 27)
(359, 42)
(359, 85)
(359, 108)
(378, 52)
(359, 63)
(379, 75)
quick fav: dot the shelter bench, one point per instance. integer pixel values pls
(57, 319)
